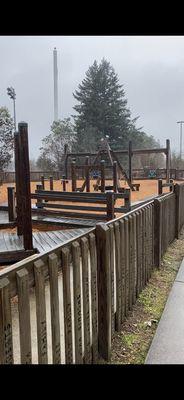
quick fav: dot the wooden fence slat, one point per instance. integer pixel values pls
(6, 340)
(104, 290)
(77, 302)
(127, 265)
(118, 277)
(138, 245)
(134, 223)
(65, 254)
(157, 232)
(112, 264)
(54, 305)
(86, 310)
(123, 268)
(94, 294)
(24, 315)
(143, 249)
(146, 245)
(131, 263)
(41, 312)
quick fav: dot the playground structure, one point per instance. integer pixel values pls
(97, 167)
(103, 267)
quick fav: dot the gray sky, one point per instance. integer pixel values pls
(151, 68)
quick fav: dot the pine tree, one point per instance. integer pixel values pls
(102, 106)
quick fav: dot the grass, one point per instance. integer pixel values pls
(131, 345)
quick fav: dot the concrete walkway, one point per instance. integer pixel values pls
(168, 343)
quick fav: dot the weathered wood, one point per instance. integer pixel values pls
(86, 310)
(177, 190)
(51, 183)
(134, 222)
(54, 304)
(11, 204)
(115, 176)
(43, 182)
(24, 316)
(157, 232)
(87, 175)
(118, 277)
(110, 205)
(73, 176)
(6, 340)
(26, 198)
(77, 302)
(160, 186)
(130, 160)
(65, 254)
(104, 290)
(127, 265)
(168, 159)
(102, 172)
(123, 269)
(131, 261)
(112, 268)
(94, 295)
(18, 181)
(41, 312)
(12, 256)
(139, 248)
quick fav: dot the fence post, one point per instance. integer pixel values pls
(102, 172)
(159, 186)
(177, 190)
(87, 175)
(73, 172)
(51, 182)
(26, 197)
(157, 232)
(168, 160)
(104, 290)
(43, 182)
(110, 205)
(39, 201)
(130, 160)
(11, 204)
(18, 181)
(171, 187)
(115, 177)
(66, 160)
(63, 182)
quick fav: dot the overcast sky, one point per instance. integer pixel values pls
(151, 68)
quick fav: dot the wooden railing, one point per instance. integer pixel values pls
(63, 306)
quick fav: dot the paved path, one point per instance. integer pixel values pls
(168, 343)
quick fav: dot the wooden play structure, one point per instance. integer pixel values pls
(98, 165)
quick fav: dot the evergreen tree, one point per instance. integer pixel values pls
(6, 138)
(102, 107)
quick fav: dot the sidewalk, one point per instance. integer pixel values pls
(168, 343)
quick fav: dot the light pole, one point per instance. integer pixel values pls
(11, 93)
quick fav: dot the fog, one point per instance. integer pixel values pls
(150, 68)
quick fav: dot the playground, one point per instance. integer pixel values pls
(147, 188)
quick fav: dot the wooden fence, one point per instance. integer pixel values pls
(69, 301)
(35, 176)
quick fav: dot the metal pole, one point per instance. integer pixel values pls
(180, 122)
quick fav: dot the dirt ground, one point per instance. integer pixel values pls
(147, 188)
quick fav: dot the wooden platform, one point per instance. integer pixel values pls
(47, 219)
(43, 241)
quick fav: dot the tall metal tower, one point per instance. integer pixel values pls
(55, 85)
